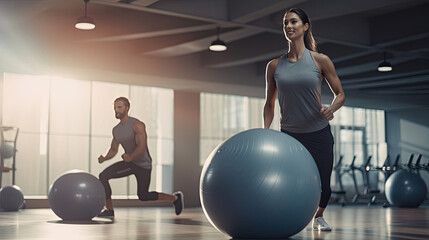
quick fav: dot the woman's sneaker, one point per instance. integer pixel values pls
(179, 202)
(107, 213)
(320, 224)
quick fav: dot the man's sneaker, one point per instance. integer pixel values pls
(178, 203)
(107, 213)
(320, 224)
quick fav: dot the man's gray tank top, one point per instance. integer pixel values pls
(299, 87)
(124, 134)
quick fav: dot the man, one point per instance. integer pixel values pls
(131, 134)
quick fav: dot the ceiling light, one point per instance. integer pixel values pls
(218, 45)
(385, 66)
(85, 22)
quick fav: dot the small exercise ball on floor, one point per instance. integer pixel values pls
(76, 195)
(6, 150)
(260, 183)
(11, 198)
(405, 189)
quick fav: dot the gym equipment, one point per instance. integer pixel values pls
(6, 150)
(387, 168)
(8, 138)
(351, 171)
(405, 189)
(409, 165)
(260, 183)
(396, 165)
(417, 166)
(399, 166)
(341, 193)
(76, 195)
(11, 198)
(369, 191)
(365, 169)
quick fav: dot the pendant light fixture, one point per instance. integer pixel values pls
(385, 66)
(85, 22)
(218, 45)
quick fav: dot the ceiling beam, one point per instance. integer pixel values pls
(217, 9)
(255, 9)
(243, 61)
(381, 47)
(389, 83)
(263, 47)
(325, 9)
(385, 77)
(370, 66)
(200, 44)
(168, 32)
(138, 7)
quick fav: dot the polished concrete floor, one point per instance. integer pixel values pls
(159, 223)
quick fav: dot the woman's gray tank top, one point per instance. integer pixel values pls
(299, 87)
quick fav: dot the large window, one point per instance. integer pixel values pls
(359, 133)
(225, 115)
(66, 124)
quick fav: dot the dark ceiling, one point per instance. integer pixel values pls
(165, 43)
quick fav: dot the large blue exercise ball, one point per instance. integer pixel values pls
(11, 198)
(405, 189)
(76, 195)
(260, 183)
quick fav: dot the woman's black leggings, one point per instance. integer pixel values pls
(123, 169)
(320, 144)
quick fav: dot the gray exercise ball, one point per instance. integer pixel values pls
(405, 189)
(260, 183)
(76, 195)
(11, 198)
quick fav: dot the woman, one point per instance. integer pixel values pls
(297, 79)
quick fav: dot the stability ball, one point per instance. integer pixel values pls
(260, 183)
(11, 198)
(405, 189)
(6, 150)
(76, 195)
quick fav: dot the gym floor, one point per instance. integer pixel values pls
(349, 222)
